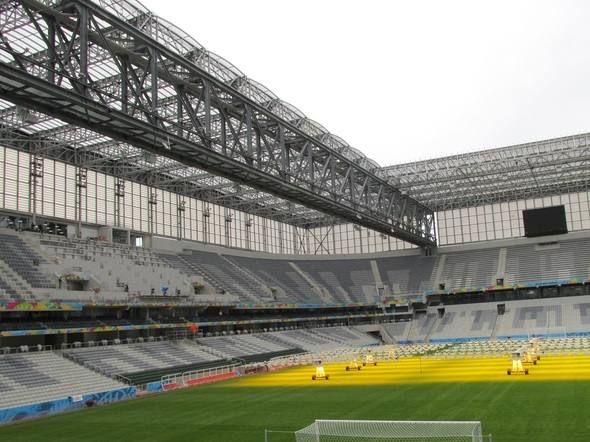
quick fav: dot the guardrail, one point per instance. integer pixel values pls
(123, 379)
(106, 342)
(188, 378)
(26, 349)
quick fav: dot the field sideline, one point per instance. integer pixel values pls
(547, 405)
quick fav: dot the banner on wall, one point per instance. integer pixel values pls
(58, 405)
(102, 328)
(8, 306)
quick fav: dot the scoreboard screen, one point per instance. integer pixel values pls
(545, 221)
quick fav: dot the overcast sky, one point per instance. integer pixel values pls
(404, 81)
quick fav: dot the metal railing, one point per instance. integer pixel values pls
(187, 376)
(26, 349)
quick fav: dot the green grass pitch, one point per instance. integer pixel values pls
(512, 411)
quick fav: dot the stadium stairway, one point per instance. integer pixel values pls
(265, 294)
(278, 274)
(23, 260)
(322, 293)
(407, 274)
(224, 276)
(422, 326)
(387, 333)
(12, 283)
(499, 319)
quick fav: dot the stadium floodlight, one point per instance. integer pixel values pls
(371, 430)
(517, 359)
(320, 373)
(369, 359)
(354, 365)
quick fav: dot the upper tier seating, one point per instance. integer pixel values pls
(407, 274)
(220, 273)
(23, 260)
(347, 280)
(536, 262)
(472, 269)
(30, 378)
(353, 280)
(6, 288)
(278, 273)
(132, 358)
(89, 249)
(261, 279)
(114, 266)
(178, 262)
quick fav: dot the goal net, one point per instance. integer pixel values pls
(372, 430)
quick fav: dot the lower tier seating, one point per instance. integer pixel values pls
(245, 345)
(320, 339)
(29, 378)
(132, 358)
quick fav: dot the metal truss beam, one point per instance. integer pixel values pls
(261, 206)
(127, 162)
(205, 123)
(532, 170)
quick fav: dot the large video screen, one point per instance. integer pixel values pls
(545, 221)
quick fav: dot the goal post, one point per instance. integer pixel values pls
(376, 430)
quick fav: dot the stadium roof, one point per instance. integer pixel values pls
(159, 171)
(530, 170)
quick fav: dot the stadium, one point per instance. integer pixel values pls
(186, 256)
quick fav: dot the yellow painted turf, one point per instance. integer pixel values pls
(418, 370)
